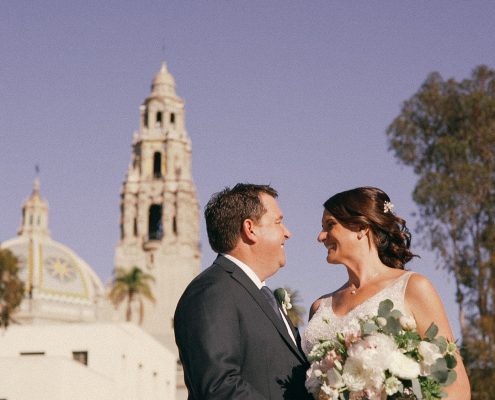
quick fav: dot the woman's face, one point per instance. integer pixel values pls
(339, 241)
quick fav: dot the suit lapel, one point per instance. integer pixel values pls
(257, 296)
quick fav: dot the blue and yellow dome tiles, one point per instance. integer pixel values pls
(55, 276)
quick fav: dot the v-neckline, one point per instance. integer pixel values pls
(330, 306)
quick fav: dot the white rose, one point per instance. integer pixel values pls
(287, 302)
(313, 381)
(403, 366)
(392, 385)
(353, 375)
(381, 322)
(407, 323)
(374, 351)
(429, 352)
(334, 378)
(331, 392)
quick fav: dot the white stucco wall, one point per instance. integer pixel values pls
(124, 363)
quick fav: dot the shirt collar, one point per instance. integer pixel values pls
(247, 270)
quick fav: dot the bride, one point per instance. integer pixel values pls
(360, 231)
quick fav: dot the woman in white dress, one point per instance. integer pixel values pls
(360, 231)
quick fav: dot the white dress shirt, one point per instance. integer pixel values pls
(259, 284)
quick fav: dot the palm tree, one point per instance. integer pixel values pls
(289, 299)
(11, 286)
(133, 284)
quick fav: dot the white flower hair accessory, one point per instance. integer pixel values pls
(283, 297)
(388, 207)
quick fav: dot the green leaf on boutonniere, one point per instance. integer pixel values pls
(279, 295)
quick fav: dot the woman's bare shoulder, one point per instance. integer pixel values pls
(316, 304)
(419, 285)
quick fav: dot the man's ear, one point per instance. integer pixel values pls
(247, 230)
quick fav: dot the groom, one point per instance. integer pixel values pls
(233, 343)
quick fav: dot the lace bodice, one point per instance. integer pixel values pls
(325, 324)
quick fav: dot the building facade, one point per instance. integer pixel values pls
(159, 222)
(68, 325)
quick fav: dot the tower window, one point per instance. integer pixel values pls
(157, 165)
(172, 118)
(155, 227)
(80, 356)
(135, 230)
(159, 118)
(145, 119)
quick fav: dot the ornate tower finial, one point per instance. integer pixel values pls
(35, 213)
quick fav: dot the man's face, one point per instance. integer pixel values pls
(271, 234)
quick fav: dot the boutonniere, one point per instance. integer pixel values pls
(283, 298)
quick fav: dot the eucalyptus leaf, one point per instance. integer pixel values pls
(385, 307)
(416, 388)
(440, 371)
(431, 332)
(442, 343)
(451, 361)
(369, 327)
(393, 326)
(452, 376)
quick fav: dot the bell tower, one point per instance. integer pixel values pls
(159, 223)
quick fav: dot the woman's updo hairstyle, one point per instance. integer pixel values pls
(369, 207)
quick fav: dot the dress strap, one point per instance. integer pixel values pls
(403, 281)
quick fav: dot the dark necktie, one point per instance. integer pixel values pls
(271, 299)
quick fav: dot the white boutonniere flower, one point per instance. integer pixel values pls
(283, 298)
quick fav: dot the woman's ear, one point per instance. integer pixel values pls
(363, 232)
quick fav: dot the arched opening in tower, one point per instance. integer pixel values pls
(157, 165)
(155, 227)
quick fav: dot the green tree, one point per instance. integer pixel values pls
(11, 287)
(130, 285)
(446, 133)
(289, 300)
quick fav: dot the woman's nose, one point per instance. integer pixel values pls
(321, 237)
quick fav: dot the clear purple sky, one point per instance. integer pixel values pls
(293, 93)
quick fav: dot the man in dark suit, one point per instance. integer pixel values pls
(233, 343)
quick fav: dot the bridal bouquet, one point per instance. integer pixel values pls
(382, 357)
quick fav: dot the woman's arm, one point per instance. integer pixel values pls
(426, 306)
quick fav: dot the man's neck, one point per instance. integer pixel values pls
(248, 270)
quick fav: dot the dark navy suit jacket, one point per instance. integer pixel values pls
(232, 344)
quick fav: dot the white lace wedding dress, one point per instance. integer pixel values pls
(325, 324)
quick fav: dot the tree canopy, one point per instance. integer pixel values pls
(446, 133)
(11, 286)
(130, 285)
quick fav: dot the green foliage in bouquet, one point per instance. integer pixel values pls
(383, 354)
